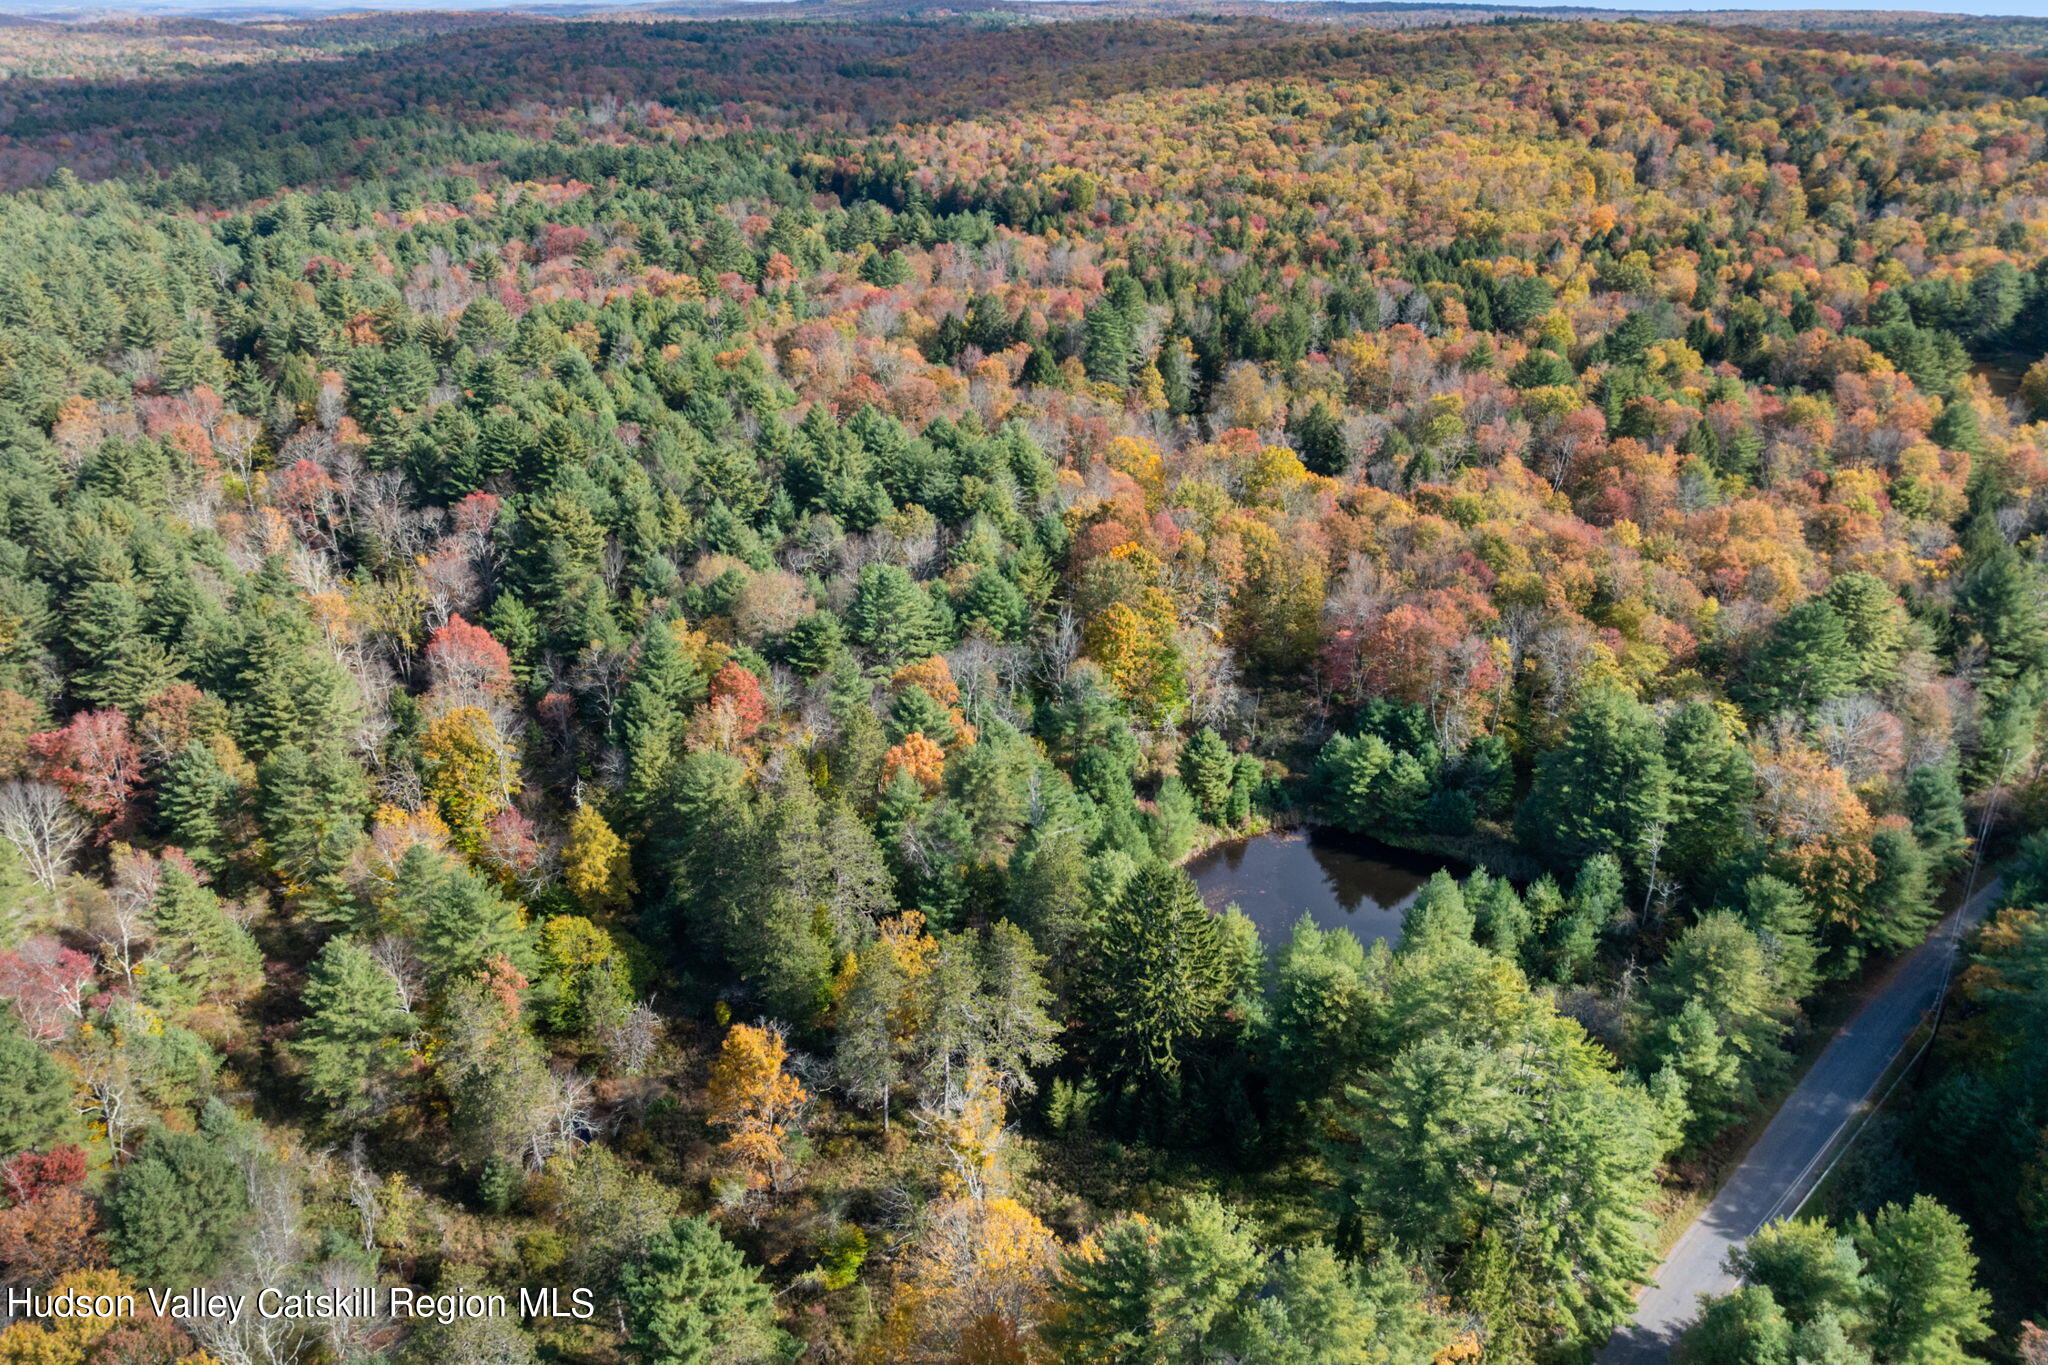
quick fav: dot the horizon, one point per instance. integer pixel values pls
(1986, 9)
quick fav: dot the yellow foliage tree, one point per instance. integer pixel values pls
(975, 1287)
(754, 1100)
(595, 864)
(471, 772)
(75, 1339)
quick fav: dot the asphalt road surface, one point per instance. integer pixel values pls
(1793, 1153)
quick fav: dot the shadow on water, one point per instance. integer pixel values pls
(1339, 880)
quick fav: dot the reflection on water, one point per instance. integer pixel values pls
(1337, 879)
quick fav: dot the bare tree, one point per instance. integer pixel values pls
(362, 1192)
(272, 1256)
(559, 1117)
(40, 823)
(629, 1044)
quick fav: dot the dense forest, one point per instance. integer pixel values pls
(613, 637)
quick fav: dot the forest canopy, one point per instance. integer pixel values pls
(614, 637)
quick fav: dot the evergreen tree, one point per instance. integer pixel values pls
(177, 1210)
(1140, 1291)
(1207, 768)
(458, 922)
(35, 1092)
(1809, 1268)
(195, 805)
(310, 808)
(1805, 660)
(1934, 803)
(351, 1049)
(1712, 786)
(1924, 1305)
(1605, 789)
(1746, 1327)
(1159, 980)
(1108, 350)
(691, 1299)
(210, 953)
(891, 617)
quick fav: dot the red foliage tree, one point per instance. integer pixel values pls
(47, 983)
(50, 1236)
(94, 760)
(465, 662)
(738, 691)
(32, 1175)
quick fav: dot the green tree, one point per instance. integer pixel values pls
(1809, 1268)
(178, 1209)
(1712, 787)
(1328, 999)
(692, 1299)
(1146, 1293)
(1207, 767)
(195, 805)
(1108, 350)
(458, 922)
(1924, 1305)
(1159, 980)
(891, 617)
(351, 1049)
(1746, 1327)
(310, 807)
(35, 1092)
(1605, 789)
(1805, 660)
(1934, 803)
(210, 953)
(1873, 624)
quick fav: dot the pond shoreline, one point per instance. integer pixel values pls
(1333, 877)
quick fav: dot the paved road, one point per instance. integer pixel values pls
(1792, 1153)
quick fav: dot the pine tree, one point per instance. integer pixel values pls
(310, 808)
(1809, 1268)
(1604, 789)
(1806, 659)
(351, 1049)
(196, 940)
(891, 617)
(1437, 915)
(1143, 1291)
(1934, 803)
(194, 804)
(457, 920)
(1207, 767)
(665, 685)
(35, 1092)
(1107, 348)
(867, 1052)
(691, 1299)
(177, 1210)
(1746, 1327)
(1173, 821)
(1712, 789)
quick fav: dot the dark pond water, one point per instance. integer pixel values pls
(2003, 375)
(1339, 880)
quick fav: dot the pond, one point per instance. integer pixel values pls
(1339, 880)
